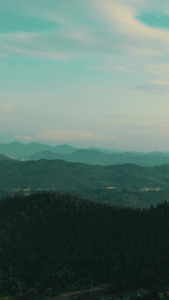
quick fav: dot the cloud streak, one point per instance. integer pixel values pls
(6, 109)
(23, 138)
(120, 31)
(68, 135)
(126, 29)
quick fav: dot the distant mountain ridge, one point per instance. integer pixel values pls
(95, 157)
(21, 151)
(92, 156)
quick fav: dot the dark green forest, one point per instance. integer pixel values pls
(117, 197)
(62, 175)
(124, 197)
(51, 243)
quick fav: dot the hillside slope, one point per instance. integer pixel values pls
(52, 243)
(62, 175)
(3, 157)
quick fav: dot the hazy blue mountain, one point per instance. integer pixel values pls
(92, 156)
(82, 155)
(64, 149)
(14, 149)
(88, 156)
(46, 154)
(95, 157)
(107, 151)
(21, 151)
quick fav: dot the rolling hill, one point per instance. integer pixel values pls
(3, 157)
(62, 175)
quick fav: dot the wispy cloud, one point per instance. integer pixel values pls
(125, 28)
(124, 16)
(160, 129)
(154, 86)
(109, 65)
(93, 89)
(65, 40)
(110, 27)
(119, 116)
(23, 138)
(29, 45)
(65, 136)
(6, 109)
(151, 126)
(160, 69)
(159, 83)
(68, 135)
(81, 36)
(34, 53)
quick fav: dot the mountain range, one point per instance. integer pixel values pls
(92, 156)
(20, 151)
(95, 157)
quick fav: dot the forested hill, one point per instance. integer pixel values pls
(51, 243)
(3, 157)
(61, 175)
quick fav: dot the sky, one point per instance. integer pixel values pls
(85, 73)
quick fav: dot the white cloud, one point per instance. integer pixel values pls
(155, 86)
(80, 35)
(93, 89)
(107, 65)
(23, 138)
(159, 83)
(161, 70)
(117, 30)
(122, 69)
(68, 135)
(26, 44)
(130, 32)
(6, 109)
(67, 39)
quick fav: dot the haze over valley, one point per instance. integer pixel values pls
(120, 178)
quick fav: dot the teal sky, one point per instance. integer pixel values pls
(86, 73)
